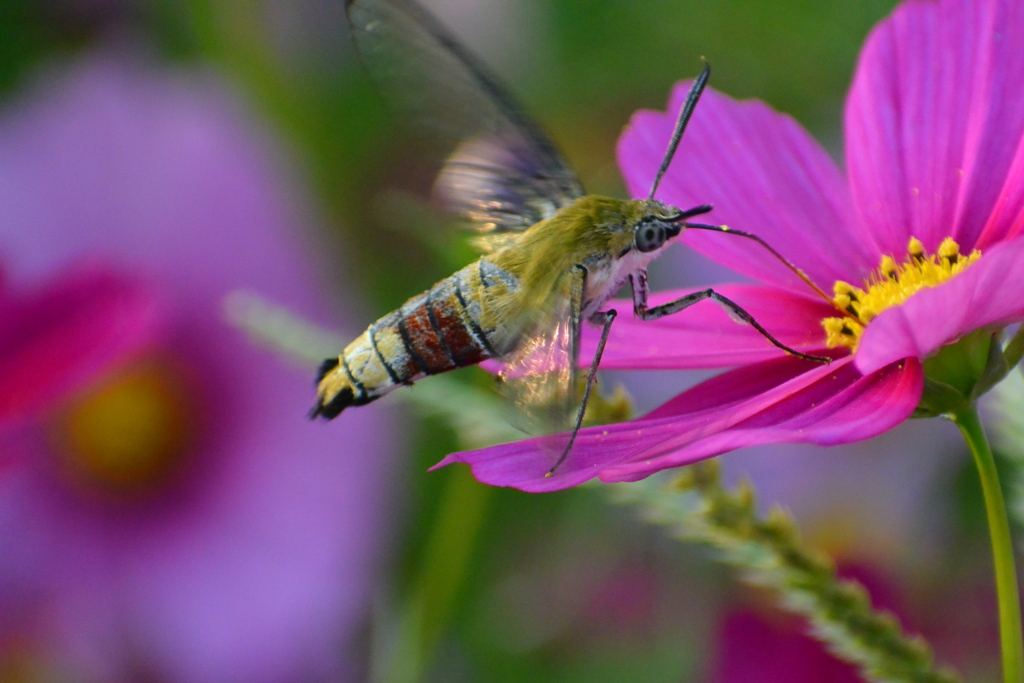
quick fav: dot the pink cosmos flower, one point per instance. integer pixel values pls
(935, 171)
(166, 510)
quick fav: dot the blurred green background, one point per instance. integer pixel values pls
(484, 584)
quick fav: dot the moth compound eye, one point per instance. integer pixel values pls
(649, 236)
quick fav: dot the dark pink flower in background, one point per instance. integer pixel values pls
(921, 243)
(166, 510)
(87, 318)
(758, 644)
(754, 648)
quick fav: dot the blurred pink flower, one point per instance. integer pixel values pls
(935, 151)
(757, 645)
(87, 319)
(755, 649)
(166, 510)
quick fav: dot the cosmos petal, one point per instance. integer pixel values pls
(61, 336)
(779, 400)
(765, 175)
(841, 407)
(934, 122)
(1007, 219)
(989, 292)
(704, 336)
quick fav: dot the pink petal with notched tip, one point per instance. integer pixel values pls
(989, 292)
(779, 400)
(58, 338)
(765, 175)
(705, 336)
(934, 120)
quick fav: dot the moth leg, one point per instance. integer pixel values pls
(601, 317)
(577, 291)
(638, 283)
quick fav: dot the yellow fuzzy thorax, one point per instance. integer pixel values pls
(890, 285)
(592, 225)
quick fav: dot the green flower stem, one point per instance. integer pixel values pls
(1011, 640)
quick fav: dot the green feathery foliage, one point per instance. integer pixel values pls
(696, 507)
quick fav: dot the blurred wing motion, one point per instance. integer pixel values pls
(540, 377)
(503, 172)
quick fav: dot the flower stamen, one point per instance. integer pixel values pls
(890, 285)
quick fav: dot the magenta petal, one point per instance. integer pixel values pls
(841, 407)
(783, 400)
(934, 120)
(990, 292)
(711, 406)
(1007, 218)
(704, 336)
(765, 175)
(60, 337)
(523, 464)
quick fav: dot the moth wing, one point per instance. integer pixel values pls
(503, 173)
(490, 242)
(504, 184)
(540, 376)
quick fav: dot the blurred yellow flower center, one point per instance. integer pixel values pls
(128, 434)
(891, 285)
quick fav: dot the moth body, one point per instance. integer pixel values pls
(487, 308)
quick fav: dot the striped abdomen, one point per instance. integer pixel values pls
(451, 325)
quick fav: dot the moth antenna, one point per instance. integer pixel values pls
(684, 117)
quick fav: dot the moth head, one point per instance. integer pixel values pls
(657, 224)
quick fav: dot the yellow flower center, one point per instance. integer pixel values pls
(129, 434)
(891, 285)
